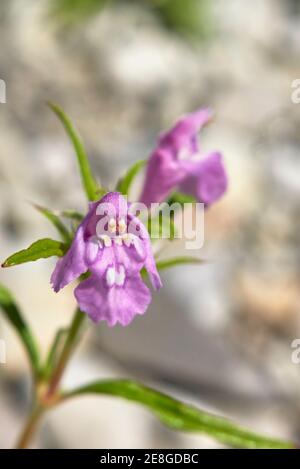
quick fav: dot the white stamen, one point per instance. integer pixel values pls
(106, 240)
(118, 240)
(122, 226)
(112, 225)
(128, 239)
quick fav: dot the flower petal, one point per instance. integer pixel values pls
(112, 205)
(73, 264)
(183, 134)
(114, 304)
(143, 250)
(169, 162)
(207, 180)
(162, 175)
(93, 245)
(83, 251)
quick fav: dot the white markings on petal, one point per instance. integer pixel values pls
(118, 240)
(115, 277)
(184, 154)
(120, 276)
(92, 249)
(110, 276)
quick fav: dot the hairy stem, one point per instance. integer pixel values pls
(46, 395)
(67, 350)
(29, 428)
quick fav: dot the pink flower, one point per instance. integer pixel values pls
(113, 246)
(175, 164)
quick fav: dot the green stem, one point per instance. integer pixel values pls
(48, 398)
(67, 350)
(29, 428)
(54, 352)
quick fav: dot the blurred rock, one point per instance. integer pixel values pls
(218, 335)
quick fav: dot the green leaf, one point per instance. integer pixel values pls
(72, 12)
(194, 21)
(56, 221)
(180, 198)
(89, 183)
(180, 416)
(124, 185)
(72, 215)
(14, 316)
(174, 261)
(41, 249)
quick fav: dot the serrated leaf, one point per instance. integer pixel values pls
(180, 416)
(89, 183)
(124, 185)
(41, 249)
(174, 261)
(56, 221)
(13, 314)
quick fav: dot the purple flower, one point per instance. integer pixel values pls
(113, 245)
(175, 164)
(207, 179)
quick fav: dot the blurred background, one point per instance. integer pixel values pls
(217, 335)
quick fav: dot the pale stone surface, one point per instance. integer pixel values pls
(218, 334)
